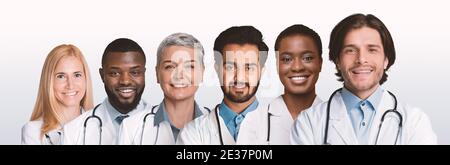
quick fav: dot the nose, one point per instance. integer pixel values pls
(240, 75)
(125, 79)
(297, 65)
(69, 83)
(362, 57)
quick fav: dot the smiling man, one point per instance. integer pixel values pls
(362, 112)
(123, 76)
(240, 54)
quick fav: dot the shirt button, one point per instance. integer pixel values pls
(363, 123)
(363, 104)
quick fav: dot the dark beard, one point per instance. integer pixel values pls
(240, 100)
(124, 108)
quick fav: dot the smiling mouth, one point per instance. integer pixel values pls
(362, 71)
(70, 93)
(127, 91)
(180, 85)
(299, 79)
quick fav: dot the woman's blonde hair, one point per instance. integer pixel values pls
(46, 103)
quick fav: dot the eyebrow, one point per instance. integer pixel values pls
(170, 61)
(292, 53)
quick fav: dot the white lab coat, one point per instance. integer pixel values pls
(131, 129)
(310, 125)
(254, 129)
(204, 131)
(74, 130)
(31, 134)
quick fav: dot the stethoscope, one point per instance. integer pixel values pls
(220, 130)
(143, 125)
(100, 125)
(325, 139)
(49, 140)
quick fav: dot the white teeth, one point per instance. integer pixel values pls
(126, 90)
(71, 93)
(180, 85)
(362, 71)
(298, 78)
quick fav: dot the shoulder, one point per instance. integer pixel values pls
(32, 127)
(31, 132)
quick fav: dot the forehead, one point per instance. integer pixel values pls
(363, 36)
(131, 58)
(241, 53)
(69, 63)
(177, 53)
(298, 43)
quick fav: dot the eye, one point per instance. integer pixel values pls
(286, 59)
(169, 67)
(135, 72)
(60, 76)
(229, 67)
(308, 57)
(78, 75)
(114, 74)
(350, 51)
(373, 50)
(250, 68)
(190, 66)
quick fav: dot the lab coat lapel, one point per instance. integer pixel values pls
(386, 103)
(340, 122)
(226, 137)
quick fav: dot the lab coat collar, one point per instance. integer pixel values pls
(281, 107)
(340, 121)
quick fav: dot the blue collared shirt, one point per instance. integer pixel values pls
(361, 112)
(232, 119)
(161, 115)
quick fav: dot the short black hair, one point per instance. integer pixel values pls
(240, 35)
(122, 45)
(299, 29)
(357, 21)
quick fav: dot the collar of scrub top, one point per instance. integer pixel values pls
(228, 115)
(114, 113)
(161, 115)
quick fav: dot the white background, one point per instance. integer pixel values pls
(30, 29)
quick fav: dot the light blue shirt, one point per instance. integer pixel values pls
(361, 112)
(161, 115)
(232, 119)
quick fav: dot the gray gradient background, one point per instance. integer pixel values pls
(30, 29)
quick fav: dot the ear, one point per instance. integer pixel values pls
(219, 73)
(320, 64)
(100, 71)
(386, 63)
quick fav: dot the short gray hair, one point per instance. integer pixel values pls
(181, 39)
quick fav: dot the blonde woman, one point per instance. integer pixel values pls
(65, 91)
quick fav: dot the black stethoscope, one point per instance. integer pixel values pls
(100, 125)
(49, 140)
(325, 139)
(220, 131)
(143, 125)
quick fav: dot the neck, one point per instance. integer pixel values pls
(238, 107)
(296, 103)
(69, 113)
(180, 112)
(363, 94)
